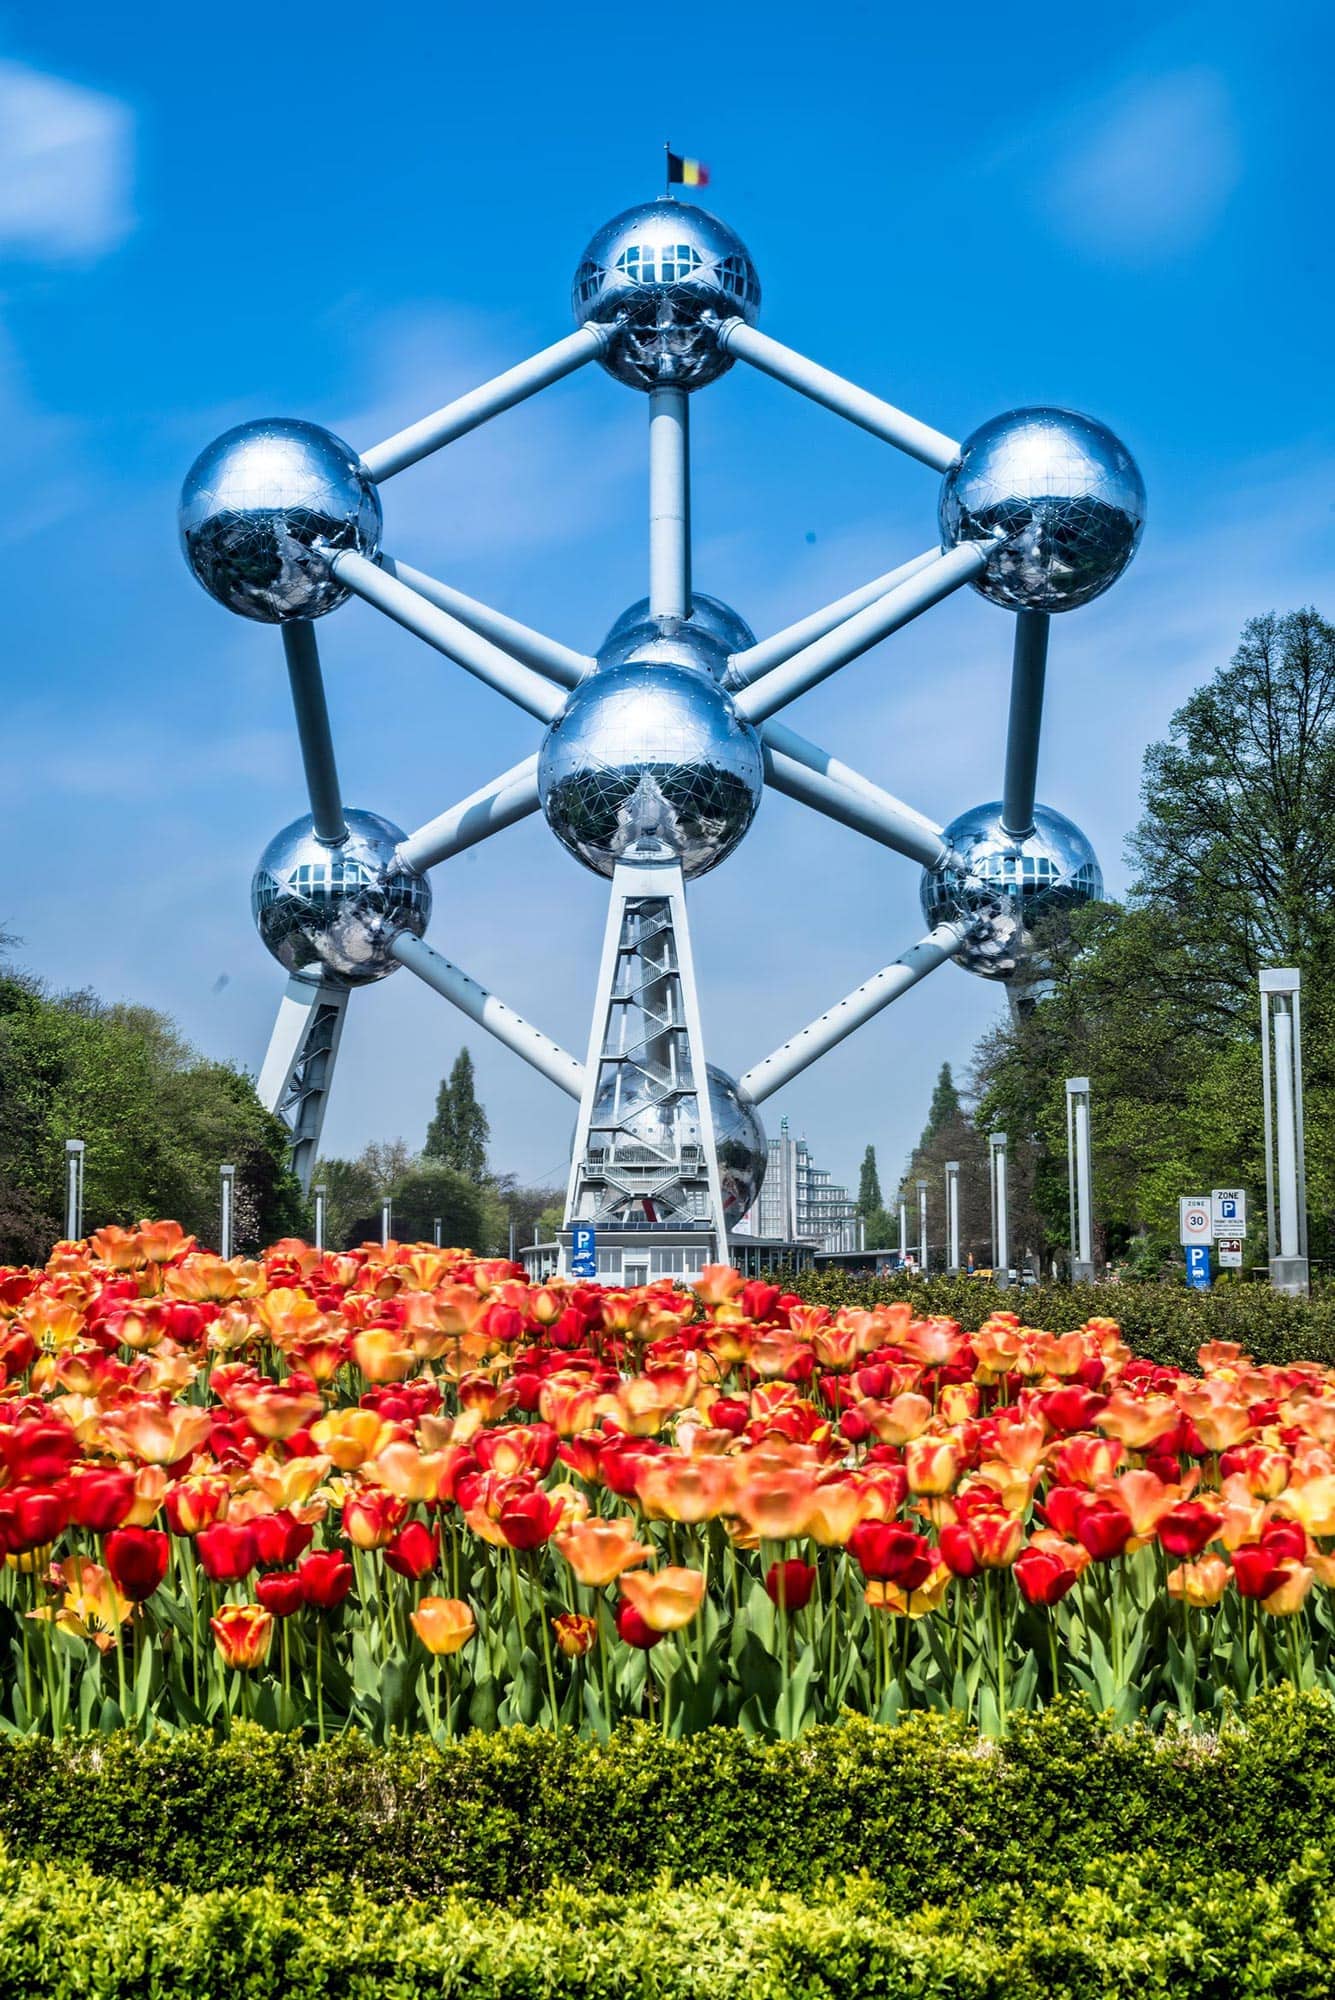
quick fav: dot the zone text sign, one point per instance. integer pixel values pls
(1228, 1211)
(1195, 1224)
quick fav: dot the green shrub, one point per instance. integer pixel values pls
(929, 1810)
(1166, 1322)
(1140, 1931)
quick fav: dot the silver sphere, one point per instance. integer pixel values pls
(649, 764)
(629, 1113)
(705, 640)
(256, 504)
(1064, 491)
(1002, 887)
(333, 912)
(664, 273)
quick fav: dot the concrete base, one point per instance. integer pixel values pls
(1289, 1274)
(1082, 1274)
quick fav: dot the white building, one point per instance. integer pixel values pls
(799, 1203)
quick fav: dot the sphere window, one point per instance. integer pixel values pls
(653, 264)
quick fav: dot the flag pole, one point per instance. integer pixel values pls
(667, 169)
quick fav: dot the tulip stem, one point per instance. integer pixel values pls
(546, 1644)
(319, 1676)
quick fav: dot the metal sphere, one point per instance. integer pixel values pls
(1002, 887)
(261, 503)
(649, 764)
(333, 912)
(664, 273)
(705, 640)
(1064, 491)
(631, 1108)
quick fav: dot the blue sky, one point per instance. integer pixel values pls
(352, 214)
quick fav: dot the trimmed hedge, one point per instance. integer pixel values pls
(1166, 1322)
(1138, 1932)
(928, 1810)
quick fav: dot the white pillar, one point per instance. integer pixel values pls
(952, 1215)
(903, 1228)
(1001, 1253)
(386, 1219)
(227, 1177)
(319, 1191)
(73, 1190)
(438, 1225)
(1079, 1179)
(1285, 1160)
(922, 1227)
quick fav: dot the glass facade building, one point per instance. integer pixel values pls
(800, 1203)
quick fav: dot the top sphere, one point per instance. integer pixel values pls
(664, 273)
(1064, 491)
(254, 506)
(650, 764)
(1002, 887)
(706, 639)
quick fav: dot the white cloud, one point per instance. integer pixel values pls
(66, 167)
(1148, 172)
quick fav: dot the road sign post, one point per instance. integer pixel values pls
(1195, 1220)
(1198, 1266)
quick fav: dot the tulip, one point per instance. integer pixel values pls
(32, 1516)
(576, 1635)
(688, 1490)
(100, 1499)
(373, 1517)
(666, 1599)
(932, 1464)
(599, 1551)
(326, 1578)
(917, 1602)
(159, 1436)
(413, 1552)
(529, 1519)
(994, 1535)
(1290, 1593)
(889, 1553)
(957, 1551)
(227, 1551)
(197, 1502)
(137, 1560)
(350, 1437)
(443, 1624)
(1043, 1576)
(777, 1506)
(242, 1633)
(1200, 1584)
(1257, 1570)
(1186, 1529)
(280, 1592)
(39, 1453)
(790, 1584)
(1105, 1529)
(280, 1537)
(634, 1629)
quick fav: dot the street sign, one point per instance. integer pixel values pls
(1195, 1221)
(1198, 1266)
(1228, 1210)
(583, 1250)
(1229, 1249)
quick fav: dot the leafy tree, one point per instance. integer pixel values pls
(430, 1189)
(459, 1131)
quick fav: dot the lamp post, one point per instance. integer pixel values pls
(227, 1178)
(437, 1225)
(952, 1215)
(320, 1191)
(922, 1227)
(386, 1219)
(73, 1190)
(1001, 1253)
(1285, 1161)
(1079, 1180)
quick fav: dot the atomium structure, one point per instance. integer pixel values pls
(654, 752)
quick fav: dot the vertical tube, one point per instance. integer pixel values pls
(1001, 1255)
(73, 1190)
(313, 731)
(386, 1219)
(903, 1228)
(1286, 1126)
(319, 1192)
(227, 1178)
(922, 1227)
(669, 504)
(952, 1215)
(438, 1225)
(1028, 671)
(1083, 1189)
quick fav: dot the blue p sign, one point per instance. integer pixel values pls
(583, 1250)
(1198, 1266)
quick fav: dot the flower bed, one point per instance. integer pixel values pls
(402, 1489)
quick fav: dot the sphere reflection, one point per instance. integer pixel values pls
(1002, 887)
(335, 911)
(663, 273)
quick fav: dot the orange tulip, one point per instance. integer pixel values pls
(932, 1463)
(599, 1551)
(382, 1356)
(443, 1624)
(776, 1506)
(156, 1435)
(928, 1597)
(576, 1635)
(836, 1509)
(898, 1421)
(350, 1437)
(1199, 1584)
(666, 1599)
(689, 1489)
(1290, 1594)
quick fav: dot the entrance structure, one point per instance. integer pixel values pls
(656, 750)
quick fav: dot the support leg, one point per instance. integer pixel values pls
(299, 1067)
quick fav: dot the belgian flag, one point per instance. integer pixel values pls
(686, 173)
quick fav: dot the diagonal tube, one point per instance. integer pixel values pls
(500, 670)
(520, 1035)
(546, 656)
(823, 657)
(845, 398)
(748, 666)
(860, 805)
(857, 1007)
(313, 731)
(1028, 672)
(503, 802)
(465, 413)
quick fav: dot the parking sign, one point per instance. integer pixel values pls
(1198, 1266)
(583, 1250)
(1195, 1224)
(1228, 1211)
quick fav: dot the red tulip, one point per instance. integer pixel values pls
(633, 1628)
(280, 1538)
(39, 1453)
(1105, 1529)
(32, 1516)
(790, 1583)
(413, 1552)
(281, 1592)
(528, 1519)
(1186, 1528)
(227, 1551)
(1043, 1576)
(326, 1578)
(1285, 1538)
(137, 1559)
(957, 1550)
(100, 1499)
(889, 1553)
(1256, 1569)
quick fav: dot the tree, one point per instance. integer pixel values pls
(951, 1134)
(459, 1131)
(869, 1184)
(944, 1108)
(431, 1190)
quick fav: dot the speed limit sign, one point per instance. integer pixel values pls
(1195, 1220)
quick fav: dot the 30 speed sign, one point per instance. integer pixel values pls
(1195, 1220)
